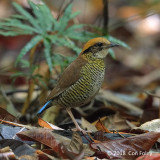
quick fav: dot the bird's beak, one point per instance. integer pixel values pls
(113, 45)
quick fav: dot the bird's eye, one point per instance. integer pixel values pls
(99, 44)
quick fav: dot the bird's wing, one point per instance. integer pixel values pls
(70, 75)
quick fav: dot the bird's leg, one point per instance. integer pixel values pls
(78, 128)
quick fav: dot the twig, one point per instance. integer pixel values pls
(8, 93)
(151, 94)
(118, 133)
(105, 17)
(63, 9)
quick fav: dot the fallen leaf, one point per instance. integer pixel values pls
(19, 148)
(76, 144)
(129, 148)
(7, 104)
(46, 136)
(48, 125)
(153, 125)
(7, 116)
(151, 156)
(100, 126)
(88, 126)
(6, 153)
(102, 136)
(65, 153)
(46, 154)
(9, 132)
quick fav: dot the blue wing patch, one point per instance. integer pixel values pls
(44, 107)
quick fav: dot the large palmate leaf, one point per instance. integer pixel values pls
(47, 52)
(28, 47)
(43, 16)
(28, 16)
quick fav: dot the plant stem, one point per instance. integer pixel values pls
(105, 17)
(29, 96)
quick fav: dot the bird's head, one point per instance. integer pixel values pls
(97, 48)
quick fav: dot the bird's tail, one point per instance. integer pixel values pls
(47, 105)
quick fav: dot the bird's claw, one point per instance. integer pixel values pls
(80, 130)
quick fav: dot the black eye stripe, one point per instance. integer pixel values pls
(96, 46)
(99, 44)
(87, 50)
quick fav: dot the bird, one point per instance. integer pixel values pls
(81, 80)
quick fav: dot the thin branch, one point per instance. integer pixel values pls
(105, 17)
(8, 93)
(151, 94)
(61, 12)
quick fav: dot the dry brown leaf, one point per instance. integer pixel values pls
(151, 156)
(116, 122)
(76, 144)
(48, 125)
(19, 148)
(100, 126)
(7, 154)
(6, 103)
(86, 125)
(46, 136)
(129, 148)
(7, 116)
(153, 125)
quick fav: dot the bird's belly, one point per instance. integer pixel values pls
(82, 91)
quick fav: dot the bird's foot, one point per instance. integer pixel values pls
(80, 130)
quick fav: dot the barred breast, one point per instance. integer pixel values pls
(80, 93)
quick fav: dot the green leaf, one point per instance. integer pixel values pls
(81, 36)
(58, 59)
(28, 16)
(75, 14)
(72, 28)
(38, 15)
(53, 38)
(115, 40)
(48, 19)
(40, 78)
(15, 23)
(111, 52)
(47, 52)
(25, 63)
(17, 16)
(68, 43)
(63, 61)
(14, 33)
(18, 74)
(33, 68)
(28, 46)
(63, 22)
(44, 16)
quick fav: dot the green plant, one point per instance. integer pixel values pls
(44, 28)
(46, 32)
